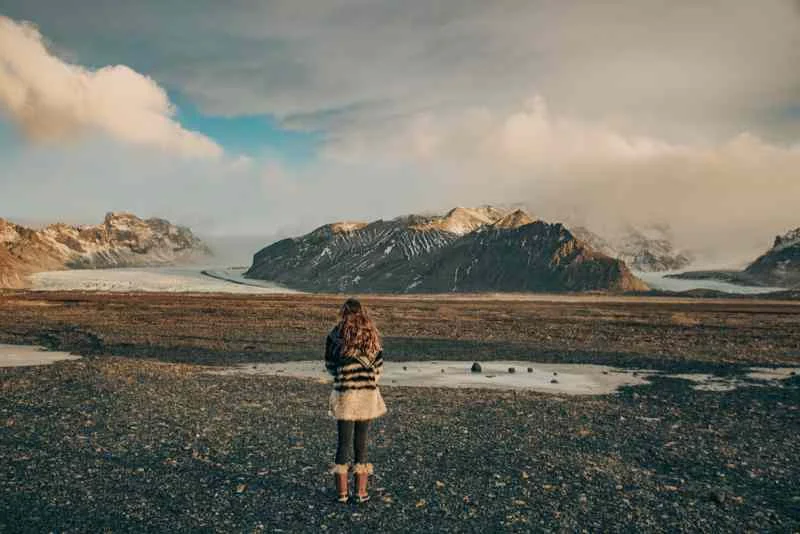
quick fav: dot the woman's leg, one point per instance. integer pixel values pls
(345, 442)
(360, 441)
(361, 469)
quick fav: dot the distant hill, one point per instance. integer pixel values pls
(465, 250)
(780, 265)
(122, 240)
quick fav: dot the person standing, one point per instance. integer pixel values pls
(354, 357)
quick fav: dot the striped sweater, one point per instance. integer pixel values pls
(355, 395)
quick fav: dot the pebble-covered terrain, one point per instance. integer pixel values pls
(153, 442)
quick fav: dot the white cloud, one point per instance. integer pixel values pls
(54, 100)
(725, 199)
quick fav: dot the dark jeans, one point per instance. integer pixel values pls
(352, 437)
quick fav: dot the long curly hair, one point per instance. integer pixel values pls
(357, 332)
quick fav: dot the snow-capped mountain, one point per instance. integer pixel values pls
(122, 240)
(780, 265)
(478, 249)
(642, 249)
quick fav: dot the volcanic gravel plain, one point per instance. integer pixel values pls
(141, 435)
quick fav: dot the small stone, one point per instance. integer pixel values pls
(555, 374)
(476, 367)
(443, 370)
(605, 372)
(512, 370)
(530, 369)
(554, 381)
(405, 368)
(717, 496)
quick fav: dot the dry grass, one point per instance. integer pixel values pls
(684, 319)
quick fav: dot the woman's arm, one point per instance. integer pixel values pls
(331, 356)
(377, 364)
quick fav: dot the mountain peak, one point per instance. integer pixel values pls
(461, 221)
(790, 238)
(515, 219)
(342, 227)
(8, 231)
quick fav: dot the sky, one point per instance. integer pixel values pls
(269, 118)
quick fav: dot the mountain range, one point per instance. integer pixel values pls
(122, 240)
(465, 250)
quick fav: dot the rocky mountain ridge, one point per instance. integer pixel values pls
(780, 265)
(122, 240)
(465, 250)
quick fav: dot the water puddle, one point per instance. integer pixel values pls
(24, 355)
(569, 379)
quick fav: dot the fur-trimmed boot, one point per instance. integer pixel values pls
(361, 473)
(340, 481)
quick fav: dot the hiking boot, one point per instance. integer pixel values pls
(361, 473)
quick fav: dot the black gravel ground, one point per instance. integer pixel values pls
(109, 444)
(113, 444)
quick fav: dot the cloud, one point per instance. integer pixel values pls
(679, 70)
(724, 200)
(54, 100)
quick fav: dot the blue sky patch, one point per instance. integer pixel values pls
(251, 135)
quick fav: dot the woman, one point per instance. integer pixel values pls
(354, 356)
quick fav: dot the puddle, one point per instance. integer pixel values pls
(772, 377)
(769, 373)
(569, 379)
(709, 382)
(24, 355)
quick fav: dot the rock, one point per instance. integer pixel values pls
(530, 369)
(512, 370)
(405, 368)
(554, 381)
(476, 367)
(717, 496)
(443, 370)
(555, 374)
